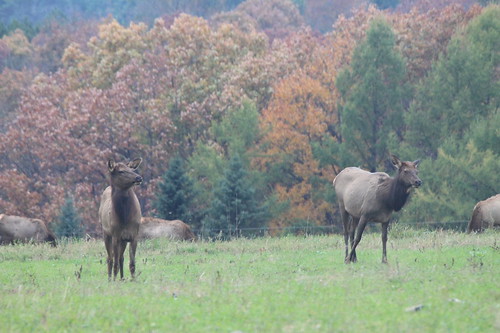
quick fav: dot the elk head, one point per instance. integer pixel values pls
(407, 172)
(123, 176)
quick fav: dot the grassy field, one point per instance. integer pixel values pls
(434, 282)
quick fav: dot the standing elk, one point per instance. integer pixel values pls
(22, 229)
(152, 227)
(364, 196)
(486, 214)
(120, 215)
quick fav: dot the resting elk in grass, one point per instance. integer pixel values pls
(486, 214)
(120, 215)
(23, 229)
(372, 197)
(177, 230)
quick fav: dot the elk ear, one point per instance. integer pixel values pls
(111, 165)
(396, 161)
(135, 163)
(416, 163)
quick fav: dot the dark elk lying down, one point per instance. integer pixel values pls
(158, 228)
(486, 214)
(23, 229)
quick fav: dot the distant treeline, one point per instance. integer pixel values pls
(243, 117)
(125, 11)
(31, 15)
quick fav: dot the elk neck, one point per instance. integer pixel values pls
(395, 193)
(122, 202)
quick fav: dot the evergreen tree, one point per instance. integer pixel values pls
(70, 223)
(454, 182)
(235, 205)
(373, 94)
(454, 123)
(175, 193)
(461, 89)
(236, 133)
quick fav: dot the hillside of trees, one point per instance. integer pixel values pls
(245, 111)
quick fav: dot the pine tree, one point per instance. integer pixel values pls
(461, 89)
(175, 193)
(70, 223)
(373, 93)
(454, 125)
(235, 205)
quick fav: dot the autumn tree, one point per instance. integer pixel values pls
(114, 47)
(131, 91)
(206, 90)
(425, 5)
(16, 50)
(12, 84)
(373, 98)
(322, 14)
(277, 18)
(422, 35)
(255, 75)
(295, 118)
(54, 37)
(199, 62)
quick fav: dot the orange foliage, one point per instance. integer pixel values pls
(295, 118)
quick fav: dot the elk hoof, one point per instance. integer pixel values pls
(350, 260)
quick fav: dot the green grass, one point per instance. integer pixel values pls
(290, 284)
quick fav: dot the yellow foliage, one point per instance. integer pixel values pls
(18, 43)
(114, 47)
(296, 117)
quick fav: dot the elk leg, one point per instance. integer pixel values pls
(384, 242)
(109, 250)
(359, 233)
(132, 249)
(116, 256)
(123, 245)
(346, 239)
(345, 223)
(352, 230)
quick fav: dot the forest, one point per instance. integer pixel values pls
(244, 111)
